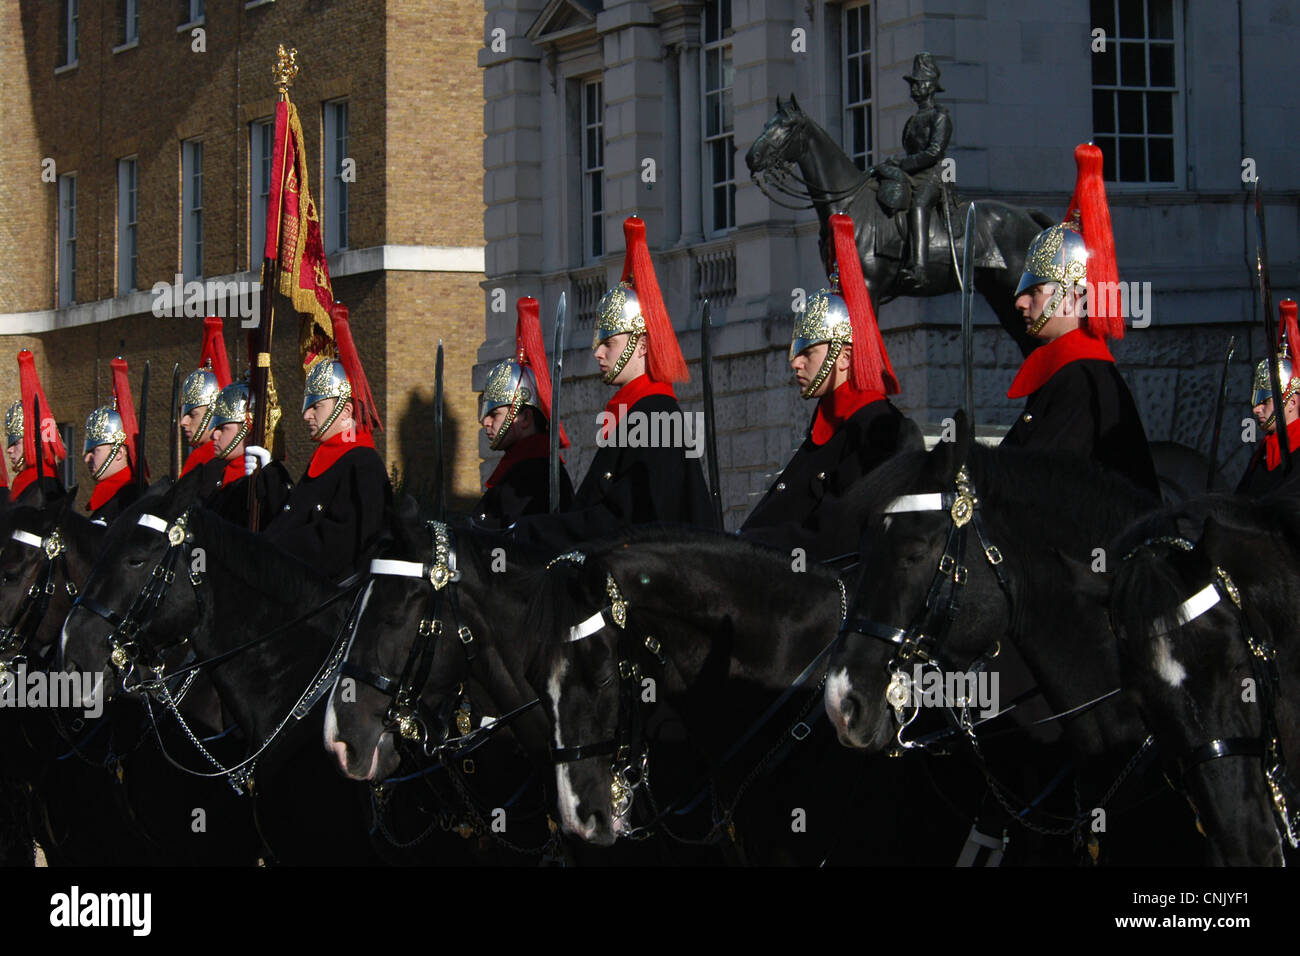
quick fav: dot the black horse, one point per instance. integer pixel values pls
(262, 625)
(684, 685)
(928, 602)
(1208, 643)
(835, 185)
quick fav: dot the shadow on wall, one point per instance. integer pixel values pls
(417, 474)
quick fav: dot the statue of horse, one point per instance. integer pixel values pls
(834, 184)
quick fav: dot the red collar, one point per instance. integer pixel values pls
(199, 456)
(526, 449)
(233, 471)
(643, 386)
(21, 482)
(108, 487)
(1272, 452)
(332, 449)
(837, 407)
(1046, 360)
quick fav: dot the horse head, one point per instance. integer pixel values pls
(1191, 643)
(141, 593)
(783, 138)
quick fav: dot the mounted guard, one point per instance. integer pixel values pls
(1265, 474)
(634, 478)
(337, 512)
(110, 451)
(225, 478)
(23, 435)
(515, 412)
(838, 357)
(199, 394)
(1077, 401)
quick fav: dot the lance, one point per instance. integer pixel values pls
(144, 421)
(1219, 404)
(710, 427)
(967, 329)
(439, 469)
(557, 378)
(1270, 330)
(40, 443)
(174, 435)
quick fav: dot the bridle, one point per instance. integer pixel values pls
(407, 716)
(1263, 664)
(918, 643)
(15, 637)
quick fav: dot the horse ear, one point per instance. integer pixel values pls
(794, 104)
(779, 107)
(1091, 585)
(910, 437)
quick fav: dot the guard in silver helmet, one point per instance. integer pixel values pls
(337, 512)
(1264, 474)
(225, 479)
(106, 456)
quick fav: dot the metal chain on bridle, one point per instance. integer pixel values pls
(16, 636)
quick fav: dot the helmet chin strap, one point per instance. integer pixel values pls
(243, 433)
(344, 396)
(96, 475)
(202, 430)
(833, 351)
(516, 402)
(617, 369)
(1052, 305)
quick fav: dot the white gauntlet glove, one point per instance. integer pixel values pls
(254, 457)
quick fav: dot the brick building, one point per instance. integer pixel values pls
(585, 97)
(135, 147)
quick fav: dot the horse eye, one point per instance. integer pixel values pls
(134, 563)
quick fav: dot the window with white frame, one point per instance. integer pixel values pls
(334, 217)
(1135, 119)
(130, 14)
(261, 135)
(191, 11)
(127, 245)
(857, 74)
(68, 26)
(593, 169)
(719, 139)
(192, 209)
(67, 239)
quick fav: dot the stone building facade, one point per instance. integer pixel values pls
(111, 97)
(1182, 95)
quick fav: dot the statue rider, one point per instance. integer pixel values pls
(925, 140)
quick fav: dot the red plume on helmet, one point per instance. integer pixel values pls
(870, 369)
(214, 350)
(1089, 204)
(664, 361)
(532, 354)
(363, 402)
(126, 408)
(45, 431)
(1288, 334)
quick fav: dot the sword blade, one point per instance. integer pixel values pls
(710, 428)
(967, 328)
(557, 381)
(1220, 402)
(1270, 326)
(174, 434)
(439, 470)
(40, 435)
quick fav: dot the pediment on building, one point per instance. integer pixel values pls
(563, 19)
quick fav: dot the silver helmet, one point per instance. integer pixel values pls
(512, 385)
(1058, 254)
(104, 426)
(234, 404)
(824, 319)
(200, 388)
(327, 380)
(619, 311)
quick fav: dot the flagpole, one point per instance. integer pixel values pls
(284, 71)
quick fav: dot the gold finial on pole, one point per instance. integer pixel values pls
(285, 69)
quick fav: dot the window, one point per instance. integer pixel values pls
(68, 34)
(67, 239)
(593, 169)
(191, 11)
(192, 209)
(1135, 90)
(126, 226)
(857, 84)
(261, 139)
(130, 16)
(719, 146)
(334, 218)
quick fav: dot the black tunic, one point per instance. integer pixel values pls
(109, 511)
(627, 486)
(523, 490)
(230, 501)
(1259, 480)
(51, 489)
(333, 521)
(1087, 410)
(805, 507)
